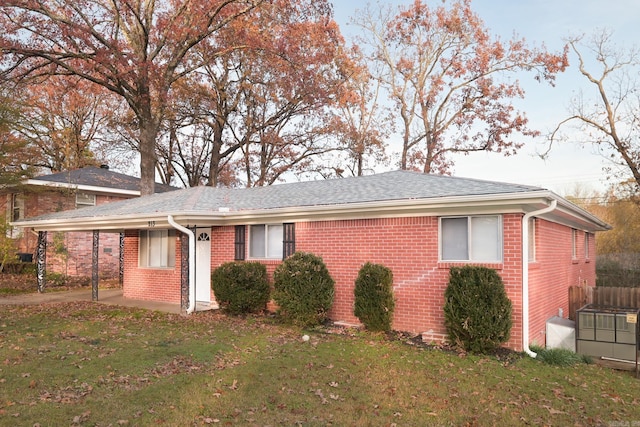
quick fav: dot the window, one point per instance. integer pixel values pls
(157, 248)
(574, 243)
(474, 238)
(17, 207)
(265, 241)
(239, 242)
(586, 245)
(84, 199)
(532, 239)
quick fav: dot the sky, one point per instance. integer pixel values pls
(569, 168)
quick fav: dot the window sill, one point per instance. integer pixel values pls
(449, 264)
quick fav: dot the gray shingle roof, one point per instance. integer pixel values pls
(99, 177)
(388, 186)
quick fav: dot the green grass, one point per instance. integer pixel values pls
(87, 364)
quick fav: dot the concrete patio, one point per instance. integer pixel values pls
(105, 296)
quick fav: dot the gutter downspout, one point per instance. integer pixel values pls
(525, 274)
(192, 262)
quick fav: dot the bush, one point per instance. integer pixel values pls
(241, 287)
(373, 293)
(303, 289)
(477, 311)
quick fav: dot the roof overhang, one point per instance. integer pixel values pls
(79, 187)
(566, 213)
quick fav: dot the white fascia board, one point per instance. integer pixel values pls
(88, 188)
(455, 205)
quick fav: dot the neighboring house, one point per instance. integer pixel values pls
(69, 253)
(418, 225)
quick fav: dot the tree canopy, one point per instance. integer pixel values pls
(448, 80)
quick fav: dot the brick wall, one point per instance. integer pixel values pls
(409, 247)
(68, 253)
(154, 284)
(554, 271)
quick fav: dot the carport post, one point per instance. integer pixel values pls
(41, 260)
(94, 265)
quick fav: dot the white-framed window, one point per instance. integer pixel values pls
(574, 243)
(17, 207)
(586, 245)
(85, 199)
(265, 241)
(471, 238)
(532, 239)
(157, 248)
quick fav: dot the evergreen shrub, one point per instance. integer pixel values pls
(477, 310)
(303, 289)
(373, 294)
(241, 287)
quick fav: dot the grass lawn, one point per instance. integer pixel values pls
(86, 364)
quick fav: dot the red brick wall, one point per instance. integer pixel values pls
(554, 271)
(155, 284)
(70, 253)
(409, 247)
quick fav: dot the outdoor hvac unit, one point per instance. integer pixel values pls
(607, 332)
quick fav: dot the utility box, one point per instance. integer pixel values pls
(607, 332)
(561, 333)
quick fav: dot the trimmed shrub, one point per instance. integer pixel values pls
(373, 294)
(241, 287)
(303, 289)
(477, 311)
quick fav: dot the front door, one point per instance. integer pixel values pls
(203, 265)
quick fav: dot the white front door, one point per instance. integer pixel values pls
(203, 265)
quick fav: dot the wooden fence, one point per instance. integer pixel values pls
(606, 296)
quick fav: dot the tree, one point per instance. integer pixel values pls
(447, 79)
(610, 119)
(64, 118)
(15, 155)
(361, 123)
(136, 49)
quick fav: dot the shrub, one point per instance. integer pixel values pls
(303, 289)
(373, 293)
(477, 311)
(241, 287)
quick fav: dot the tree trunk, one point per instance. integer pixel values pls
(148, 134)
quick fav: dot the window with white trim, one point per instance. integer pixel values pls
(532, 239)
(17, 207)
(265, 241)
(471, 238)
(84, 200)
(574, 243)
(157, 248)
(586, 245)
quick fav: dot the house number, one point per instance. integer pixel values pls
(152, 223)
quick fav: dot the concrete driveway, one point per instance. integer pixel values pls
(105, 296)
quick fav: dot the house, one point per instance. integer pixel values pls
(69, 253)
(416, 224)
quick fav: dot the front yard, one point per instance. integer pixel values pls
(91, 364)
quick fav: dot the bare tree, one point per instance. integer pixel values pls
(608, 118)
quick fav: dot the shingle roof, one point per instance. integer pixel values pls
(99, 177)
(388, 186)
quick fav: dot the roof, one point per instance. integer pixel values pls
(96, 179)
(389, 194)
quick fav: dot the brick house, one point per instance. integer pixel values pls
(69, 253)
(418, 225)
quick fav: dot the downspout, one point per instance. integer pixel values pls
(525, 274)
(192, 262)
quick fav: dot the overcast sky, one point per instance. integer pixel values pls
(540, 22)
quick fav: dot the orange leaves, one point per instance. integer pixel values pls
(448, 78)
